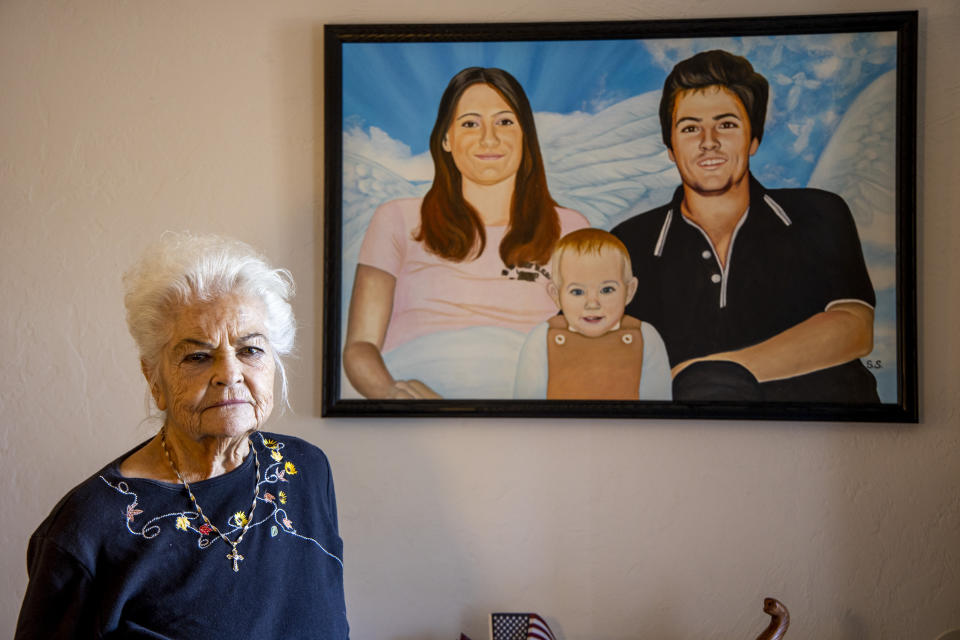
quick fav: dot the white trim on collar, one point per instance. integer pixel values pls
(661, 240)
(777, 209)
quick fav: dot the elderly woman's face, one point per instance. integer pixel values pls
(216, 373)
(484, 138)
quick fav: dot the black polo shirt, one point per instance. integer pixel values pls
(793, 254)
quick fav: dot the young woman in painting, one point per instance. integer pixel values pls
(470, 253)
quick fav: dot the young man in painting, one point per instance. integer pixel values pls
(592, 351)
(759, 294)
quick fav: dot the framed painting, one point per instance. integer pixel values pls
(670, 219)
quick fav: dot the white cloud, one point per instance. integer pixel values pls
(377, 145)
(793, 97)
(798, 83)
(840, 44)
(802, 131)
(827, 67)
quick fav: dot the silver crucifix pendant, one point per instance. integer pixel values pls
(236, 557)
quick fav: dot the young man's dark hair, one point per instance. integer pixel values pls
(716, 68)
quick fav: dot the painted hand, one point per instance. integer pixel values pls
(413, 390)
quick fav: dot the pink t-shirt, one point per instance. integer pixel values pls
(433, 294)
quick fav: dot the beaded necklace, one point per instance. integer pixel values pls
(234, 554)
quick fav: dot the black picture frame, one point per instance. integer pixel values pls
(899, 27)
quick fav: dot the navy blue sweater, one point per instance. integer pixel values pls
(131, 558)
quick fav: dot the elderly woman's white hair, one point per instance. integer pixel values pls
(182, 269)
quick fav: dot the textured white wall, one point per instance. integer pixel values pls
(121, 119)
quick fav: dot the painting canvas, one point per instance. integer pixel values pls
(840, 118)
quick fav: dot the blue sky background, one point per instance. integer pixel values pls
(397, 86)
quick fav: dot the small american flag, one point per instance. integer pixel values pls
(519, 626)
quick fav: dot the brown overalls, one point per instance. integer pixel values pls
(603, 368)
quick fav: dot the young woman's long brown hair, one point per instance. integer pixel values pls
(449, 226)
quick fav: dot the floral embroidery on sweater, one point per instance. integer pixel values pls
(274, 473)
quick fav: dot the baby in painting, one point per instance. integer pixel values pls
(592, 350)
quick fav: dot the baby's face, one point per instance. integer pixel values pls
(593, 293)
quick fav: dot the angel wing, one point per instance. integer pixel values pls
(366, 185)
(859, 164)
(609, 165)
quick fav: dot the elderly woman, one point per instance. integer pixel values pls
(212, 528)
(472, 252)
